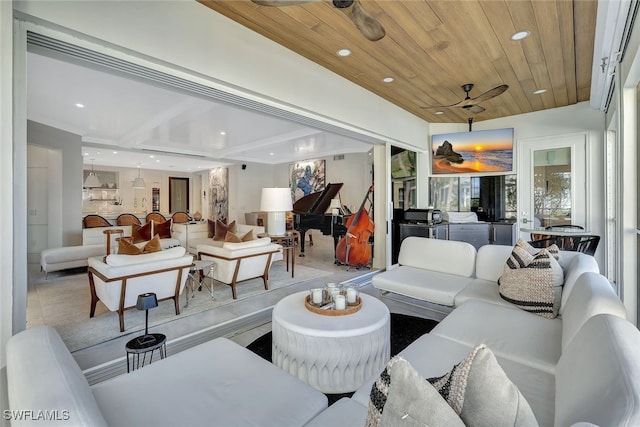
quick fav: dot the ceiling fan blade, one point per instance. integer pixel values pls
(278, 3)
(492, 93)
(474, 108)
(367, 24)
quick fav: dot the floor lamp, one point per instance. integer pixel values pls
(276, 202)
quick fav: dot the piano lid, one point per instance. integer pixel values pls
(317, 203)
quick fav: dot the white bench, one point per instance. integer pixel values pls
(56, 259)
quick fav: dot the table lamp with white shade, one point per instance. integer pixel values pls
(276, 202)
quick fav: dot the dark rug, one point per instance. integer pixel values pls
(404, 330)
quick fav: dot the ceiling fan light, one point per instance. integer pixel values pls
(520, 35)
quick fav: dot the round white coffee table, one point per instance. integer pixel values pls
(334, 354)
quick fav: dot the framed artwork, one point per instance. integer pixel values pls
(219, 194)
(477, 152)
(306, 177)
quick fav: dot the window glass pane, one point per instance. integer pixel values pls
(444, 193)
(510, 197)
(552, 187)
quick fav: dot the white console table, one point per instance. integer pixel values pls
(334, 354)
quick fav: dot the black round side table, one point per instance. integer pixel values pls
(142, 345)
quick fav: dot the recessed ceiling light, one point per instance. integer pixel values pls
(388, 79)
(520, 35)
(115, 152)
(151, 156)
(539, 91)
(80, 105)
(86, 154)
(157, 160)
(343, 52)
(271, 154)
(223, 133)
(437, 113)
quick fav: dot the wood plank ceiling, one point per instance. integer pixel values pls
(432, 48)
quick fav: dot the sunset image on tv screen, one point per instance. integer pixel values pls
(472, 152)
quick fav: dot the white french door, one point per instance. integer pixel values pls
(552, 181)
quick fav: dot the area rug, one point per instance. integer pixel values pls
(404, 330)
(65, 305)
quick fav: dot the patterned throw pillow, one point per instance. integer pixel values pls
(532, 282)
(552, 249)
(163, 229)
(141, 233)
(222, 229)
(478, 390)
(125, 247)
(153, 245)
(401, 397)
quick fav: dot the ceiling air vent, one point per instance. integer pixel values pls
(339, 157)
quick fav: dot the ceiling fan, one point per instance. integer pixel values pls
(367, 24)
(471, 104)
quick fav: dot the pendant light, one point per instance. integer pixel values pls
(139, 183)
(92, 180)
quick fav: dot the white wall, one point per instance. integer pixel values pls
(6, 184)
(245, 188)
(70, 203)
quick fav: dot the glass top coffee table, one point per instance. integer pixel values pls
(333, 354)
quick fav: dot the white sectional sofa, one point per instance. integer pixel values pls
(581, 367)
(446, 273)
(216, 383)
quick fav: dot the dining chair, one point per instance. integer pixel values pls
(155, 216)
(180, 217)
(93, 220)
(127, 219)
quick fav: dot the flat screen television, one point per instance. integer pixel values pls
(477, 152)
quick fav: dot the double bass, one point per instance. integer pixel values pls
(354, 249)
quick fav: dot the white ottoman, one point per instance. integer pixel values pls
(334, 354)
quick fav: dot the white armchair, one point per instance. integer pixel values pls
(118, 281)
(236, 262)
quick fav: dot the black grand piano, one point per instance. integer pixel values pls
(309, 213)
